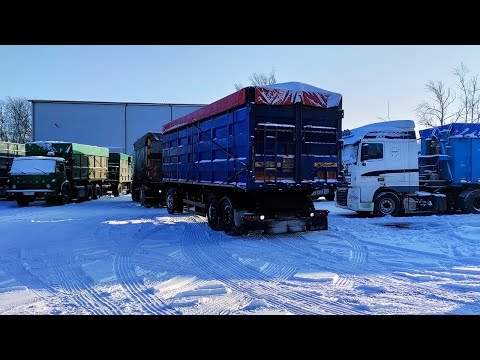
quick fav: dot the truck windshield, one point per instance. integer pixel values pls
(22, 166)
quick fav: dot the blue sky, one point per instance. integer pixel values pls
(368, 77)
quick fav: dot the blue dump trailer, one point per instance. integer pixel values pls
(449, 163)
(250, 161)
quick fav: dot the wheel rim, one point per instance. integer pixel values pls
(476, 203)
(387, 206)
(212, 213)
(170, 201)
(227, 214)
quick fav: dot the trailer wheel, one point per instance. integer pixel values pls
(143, 198)
(136, 195)
(386, 204)
(119, 190)
(214, 217)
(473, 203)
(171, 201)
(228, 217)
(97, 192)
(89, 193)
(308, 206)
(22, 202)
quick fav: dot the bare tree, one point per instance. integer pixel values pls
(19, 119)
(260, 79)
(436, 112)
(461, 74)
(3, 123)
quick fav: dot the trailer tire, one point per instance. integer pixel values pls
(136, 195)
(89, 194)
(119, 190)
(97, 192)
(228, 217)
(22, 202)
(308, 206)
(386, 203)
(473, 203)
(171, 194)
(214, 217)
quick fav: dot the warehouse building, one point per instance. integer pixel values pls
(115, 125)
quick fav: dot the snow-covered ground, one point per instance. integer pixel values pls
(111, 256)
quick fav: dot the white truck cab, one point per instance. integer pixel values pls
(379, 163)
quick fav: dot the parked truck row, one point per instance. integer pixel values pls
(251, 162)
(61, 172)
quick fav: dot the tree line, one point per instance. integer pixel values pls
(449, 105)
(15, 120)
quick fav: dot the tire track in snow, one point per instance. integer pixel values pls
(126, 275)
(78, 281)
(207, 253)
(300, 248)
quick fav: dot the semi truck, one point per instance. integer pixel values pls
(250, 161)
(384, 170)
(119, 174)
(58, 172)
(147, 185)
(8, 151)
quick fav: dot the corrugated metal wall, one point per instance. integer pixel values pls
(113, 125)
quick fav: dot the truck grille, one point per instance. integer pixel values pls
(342, 197)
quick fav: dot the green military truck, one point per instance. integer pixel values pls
(58, 172)
(8, 151)
(119, 173)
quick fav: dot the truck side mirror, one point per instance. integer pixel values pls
(61, 167)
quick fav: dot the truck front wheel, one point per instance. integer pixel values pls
(65, 196)
(386, 204)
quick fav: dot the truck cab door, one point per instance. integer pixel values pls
(371, 174)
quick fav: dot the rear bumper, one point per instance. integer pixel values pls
(319, 221)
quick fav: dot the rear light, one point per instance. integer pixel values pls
(321, 213)
(252, 217)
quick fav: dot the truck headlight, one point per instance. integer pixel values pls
(262, 217)
(14, 186)
(48, 186)
(312, 214)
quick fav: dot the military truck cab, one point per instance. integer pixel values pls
(58, 172)
(37, 178)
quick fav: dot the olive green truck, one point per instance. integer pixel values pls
(120, 173)
(58, 172)
(8, 151)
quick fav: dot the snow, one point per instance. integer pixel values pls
(112, 256)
